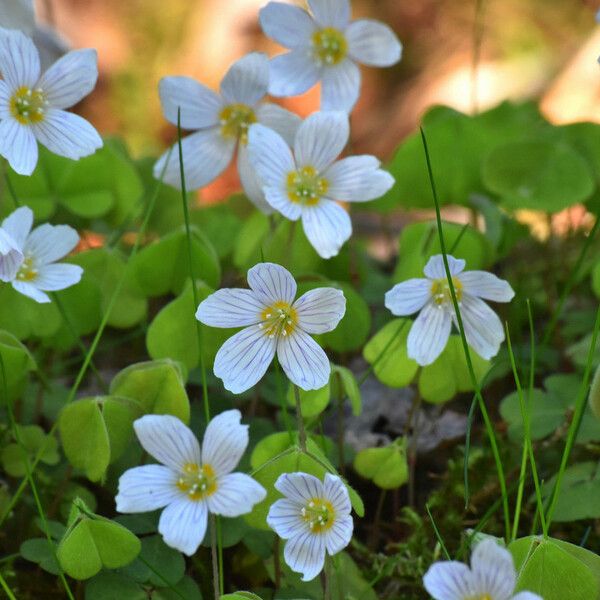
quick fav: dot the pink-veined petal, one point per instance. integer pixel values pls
(146, 488)
(182, 525)
(429, 334)
(340, 86)
(272, 283)
(236, 495)
(320, 310)
(225, 441)
(408, 297)
(290, 26)
(230, 307)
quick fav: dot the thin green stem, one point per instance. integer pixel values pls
(474, 381)
(9, 186)
(220, 552)
(300, 420)
(437, 533)
(166, 582)
(580, 404)
(5, 587)
(214, 556)
(520, 490)
(188, 233)
(283, 400)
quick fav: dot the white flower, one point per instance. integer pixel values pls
(32, 270)
(326, 47)
(189, 483)
(314, 517)
(272, 323)
(31, 106)
(222, 122)
(305, 184)
(492, 576)
(432, 297)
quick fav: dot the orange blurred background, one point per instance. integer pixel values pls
(543, 49)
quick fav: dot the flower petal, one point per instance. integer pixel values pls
(244, 358)
(305, 553)
(147, 488)
(247, 80)
(270, 156)
(48, 243)
(408, 297)
(487, 286)
(429, 334)
(225, 441)
(320, 139)
(18, 225)
(182, 525)
(327, 226)
(168, 440)
(70, 78)
(285, 519)
(338, 536)
(288, 25)
(331, 13)
(29, 290)
(300, 487)
(526, 596)
(11, 257)
(483, 328)
(293, 73)
(373, 43)
(19, 59)
(357, 179)
(52, 278)
(251, 182)
(434, 269)
(449, 580)
(236, 495)
(284, 122)
(493, 570)
(320, 310)
(303, 360)
(206, 154)
(232, 307)
(4, 99)
(280, 201)
(272, 283)
(200, 106)
(336, 492)
(67, 134)
(18, 146)
(340, 86)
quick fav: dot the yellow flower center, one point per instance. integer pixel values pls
(441, 294)
(198, 482)
(280, 319)
(330, 46)
(305, 186)
(319, 515)
(235, 121)
(27, 272)
(28, 106)
(484, 597)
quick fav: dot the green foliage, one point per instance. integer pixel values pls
(387, 467)
(16, 364)
(96, 431)
(313, 402)
(32, 440)
(343, 385)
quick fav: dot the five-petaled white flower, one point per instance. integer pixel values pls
(32, 271)
(325, 46)
(432, 297)
(222, 122)
(31, 106)
(189, 483)
(305, 184)
(273, 323)
(314, 517)
(492, 576)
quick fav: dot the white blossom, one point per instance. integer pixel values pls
(32, 269)
(220, 122)
(189, 482)
(431, 297)
(314, 518)
(32, 104)
(492, 576)
(325, 46)
(273, 323)
(306, 183)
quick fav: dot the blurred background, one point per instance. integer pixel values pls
(544, 49)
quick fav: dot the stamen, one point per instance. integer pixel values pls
(235, 121)
(330, 46)
(306, 186)
(198, 482)
(278, 320)
(28, 107)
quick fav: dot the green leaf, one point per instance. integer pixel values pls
(348, 386)
(17, 361)
(41, 552)
(95, 432)
(387, 467)
(313, 402)
(33, 439)
(393, 368)
(542, 175)
(25, 318)
(108, 586)
(241, 596)
(93, 543)
(158, 386)
(162, 267)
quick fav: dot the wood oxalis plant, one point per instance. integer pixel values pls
(199, 403)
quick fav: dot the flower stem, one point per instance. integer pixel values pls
(214, 555)
(301, 430)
